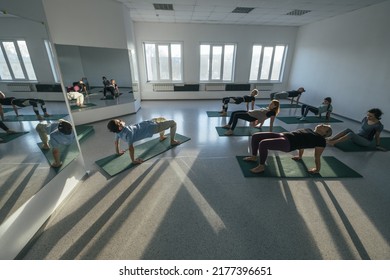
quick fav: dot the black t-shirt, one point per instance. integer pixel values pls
(294, 93)
(304, 138)
(6, 101)
(248, 98)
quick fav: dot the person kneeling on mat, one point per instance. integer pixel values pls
(142, 130)
(55, 134)
(288, 141)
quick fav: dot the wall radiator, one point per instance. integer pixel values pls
(20, 87)
(265, 87)
(163, 87)
(215, 87)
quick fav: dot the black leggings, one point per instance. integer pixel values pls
(30, 102)
(306, 108)
(236, 115)
(3, 126)
(226, 101)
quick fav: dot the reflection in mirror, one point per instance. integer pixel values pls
(83, 69)
(28, 73)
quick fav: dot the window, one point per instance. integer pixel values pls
(15, 61)
(164, 62)
(50, 54)
(217, 62)
(267, 63)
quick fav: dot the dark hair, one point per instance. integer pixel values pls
(377, 112)
(112, 126)
(65, 127)
(329, 99)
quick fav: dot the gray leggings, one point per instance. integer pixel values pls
(163, 124)
(357, 139)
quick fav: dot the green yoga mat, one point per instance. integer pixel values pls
(285, 167)
(68, 154)
(247, 130)
(83, 131)
(23, 118)
(6, 110)
(87, 105)
(282, 105)
(216, 114)
(349, 146)
(310, 119)
(9, 137)
(115, 164)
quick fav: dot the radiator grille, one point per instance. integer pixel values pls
(265, 87)
(215, 87)
(163, 87)
(20, 87)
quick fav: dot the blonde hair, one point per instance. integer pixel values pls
(277, 106)
(255, 92)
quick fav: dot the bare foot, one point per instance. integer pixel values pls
(226, 126)
(45, 147)
(162, 138)
(258, 169)
(330, 142)
(175, 142)
(250, 158)
(9, 131)
(56, 165)
(46, 115)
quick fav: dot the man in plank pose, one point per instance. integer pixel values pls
(139, 131)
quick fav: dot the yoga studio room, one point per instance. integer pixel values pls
(195, 130)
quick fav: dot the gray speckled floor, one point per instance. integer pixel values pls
(193, 202)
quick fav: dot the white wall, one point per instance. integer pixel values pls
(193, 34)
(348, 58)
(95, 23)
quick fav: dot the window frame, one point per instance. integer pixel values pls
(223, 61)
(19, 59)
(272, 63)
(158, 65)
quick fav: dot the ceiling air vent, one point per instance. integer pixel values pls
(165, 7)
(298, 12)
(242, 10)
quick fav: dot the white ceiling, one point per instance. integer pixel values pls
(265, 12)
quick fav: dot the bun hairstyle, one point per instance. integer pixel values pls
(65, 127)
(329, 99)
(377, 112)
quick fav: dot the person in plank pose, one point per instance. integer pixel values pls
(300, 139)
(139, 131)
(54, 135)
(238, 100)
(22, 102)
(257, 117)
(286, 94)
(325, 107)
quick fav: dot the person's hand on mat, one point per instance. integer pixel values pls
(313, 171)
(138, 161)
(296, 158)
(380, 148)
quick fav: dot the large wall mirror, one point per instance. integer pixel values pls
(90, 65)
(29, 70)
